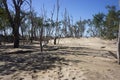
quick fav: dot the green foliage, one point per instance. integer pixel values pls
(106, 26)
(3, 19)
(112, 22)
(80, 28)
(92, 30)
(98, 21)
(40, 22)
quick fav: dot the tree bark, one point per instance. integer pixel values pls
(57, 29)
(16, 20)
(118, 52)
(41, 36)
(55, 40)
(16, 36)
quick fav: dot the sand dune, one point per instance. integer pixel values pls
(75, 59)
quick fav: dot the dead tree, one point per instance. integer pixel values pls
(41, 38)
(42, 24)
(57, 24)
(31, 18)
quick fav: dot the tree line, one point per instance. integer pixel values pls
(20, 23)
(105, 25)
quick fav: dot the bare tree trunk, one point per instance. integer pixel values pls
(57, 29)
(55, 40)
(41, 36)
(31, 38)
(22, 32)
(16, 37)
(118, 52)
(41, 30)
(31, 17)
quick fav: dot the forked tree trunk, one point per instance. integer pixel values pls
(16, 20)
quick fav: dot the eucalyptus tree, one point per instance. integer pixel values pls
(52, 22)
(65, 23)
(105, 25)
(98, 21)
(40, 25)
(3, 19)
(71, 26)
(112, 22)
(80, 27)
(24, 26)
(32, 20)
(15, 21)
(96, 25)
(92, 30)
(4, 23)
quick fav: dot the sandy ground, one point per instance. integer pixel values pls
(71, 59)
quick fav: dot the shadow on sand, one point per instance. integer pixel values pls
(27, 62)
(36, 61)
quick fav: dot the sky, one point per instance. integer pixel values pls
(78, 9)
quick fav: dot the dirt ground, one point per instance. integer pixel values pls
(71, 59)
